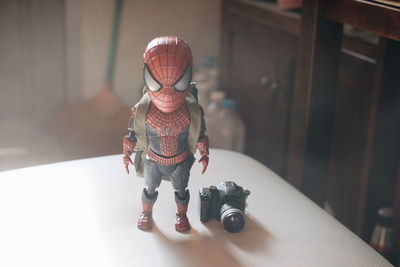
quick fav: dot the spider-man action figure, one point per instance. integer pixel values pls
(166, 127)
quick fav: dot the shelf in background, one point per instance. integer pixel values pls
(371, 16)
(266, 13)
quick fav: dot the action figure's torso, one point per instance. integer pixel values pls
(167, 133)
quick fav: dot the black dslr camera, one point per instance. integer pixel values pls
(226, 203)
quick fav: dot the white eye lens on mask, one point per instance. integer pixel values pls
(185, 80)
(150, 81)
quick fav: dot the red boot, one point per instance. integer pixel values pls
(145, 221)
(182, 223)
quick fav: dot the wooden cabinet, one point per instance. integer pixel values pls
(258, 72)
(317, 106)
(353, 98)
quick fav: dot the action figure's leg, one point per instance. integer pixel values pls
(152, 177)
(180, 178)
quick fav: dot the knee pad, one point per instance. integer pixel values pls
(147, 198)
(184, 200)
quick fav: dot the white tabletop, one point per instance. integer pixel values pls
(84, 213)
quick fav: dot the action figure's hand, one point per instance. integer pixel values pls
(127, 149)
(127, 160)
(204, 161)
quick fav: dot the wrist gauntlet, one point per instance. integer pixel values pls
(203, 145)
(127, 146)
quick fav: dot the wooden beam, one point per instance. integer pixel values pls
(397, 206)
(382, 147)
(314, 101)
(370, 16)
(369, 143)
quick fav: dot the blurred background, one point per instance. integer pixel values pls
(309, 89)
(54, 57)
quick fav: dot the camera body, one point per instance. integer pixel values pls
(226, 203)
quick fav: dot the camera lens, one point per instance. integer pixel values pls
(232, 218)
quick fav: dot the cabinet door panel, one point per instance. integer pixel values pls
(349, 137)
(262, 70)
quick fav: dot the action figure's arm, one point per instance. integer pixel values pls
(129, 141)
(203, 144)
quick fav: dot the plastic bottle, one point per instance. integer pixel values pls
(212, 113)
(215, 107)
(206, 79)
(210, 68)
(383, 237)
(230, 133)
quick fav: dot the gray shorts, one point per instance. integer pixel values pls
(179, 173)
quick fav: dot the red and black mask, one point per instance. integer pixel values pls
(167, 72)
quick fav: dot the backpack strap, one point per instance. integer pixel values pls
(140, 132)
(140, 123)
(195, 119)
